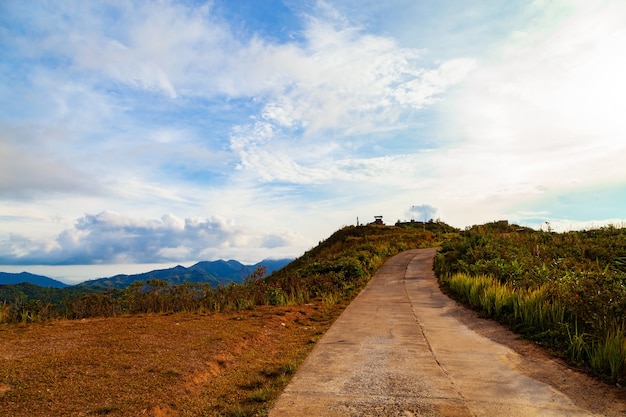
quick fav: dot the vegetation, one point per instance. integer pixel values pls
(339, 267)
(564, 290)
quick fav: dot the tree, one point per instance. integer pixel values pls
(258, 273)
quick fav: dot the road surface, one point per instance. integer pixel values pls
(402, 348)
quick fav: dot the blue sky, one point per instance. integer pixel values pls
(172, 132)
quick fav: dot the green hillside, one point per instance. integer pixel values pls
(335, 270)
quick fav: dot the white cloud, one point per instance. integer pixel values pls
(544, 114)
(422, 212)
(28, 174)
(338, 81)
(109, 237)
(353, 82)
(156, 47)
(342, 83)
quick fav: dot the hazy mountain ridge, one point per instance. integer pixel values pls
(27, 277)
(218, 272)
(213, 272)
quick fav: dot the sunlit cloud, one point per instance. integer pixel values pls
(262, 133)
(109, 237)
(542, 114)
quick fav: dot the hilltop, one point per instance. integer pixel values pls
(188, 350)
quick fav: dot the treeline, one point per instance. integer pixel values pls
(566, 291)
(335, 270)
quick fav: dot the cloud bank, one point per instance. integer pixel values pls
(109, 237)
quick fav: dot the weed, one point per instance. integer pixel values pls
(253, 384)
(239, 410)
(25, 316)
(608, 354)
(578, 349)
(261, 395)
(330, 298)
(102, 411)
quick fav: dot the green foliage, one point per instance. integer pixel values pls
(24, 311)
(27, 291)
(4, 312)
(565, 290)
(338, 268)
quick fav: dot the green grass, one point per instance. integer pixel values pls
(608, 354)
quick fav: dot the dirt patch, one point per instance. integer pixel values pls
(585, 390)
(157, 365)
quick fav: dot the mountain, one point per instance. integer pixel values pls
(235, 271)
(23, 277)
(212, 272)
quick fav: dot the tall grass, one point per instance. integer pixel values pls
(568, 289)
(529, 308)
(578, 350)
(608, 355)
(533, 312)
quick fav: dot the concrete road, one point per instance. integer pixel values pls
(400, 350)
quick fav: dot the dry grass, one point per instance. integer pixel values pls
(156, 365)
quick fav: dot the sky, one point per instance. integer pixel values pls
(169, 132)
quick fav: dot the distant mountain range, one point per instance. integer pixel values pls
(40, 280)
(213, 272)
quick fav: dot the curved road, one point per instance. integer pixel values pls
(400, 349)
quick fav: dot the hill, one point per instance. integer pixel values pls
(241, 320)
(212, 272)
(22, 277)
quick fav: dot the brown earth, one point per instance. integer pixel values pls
(156, 365)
